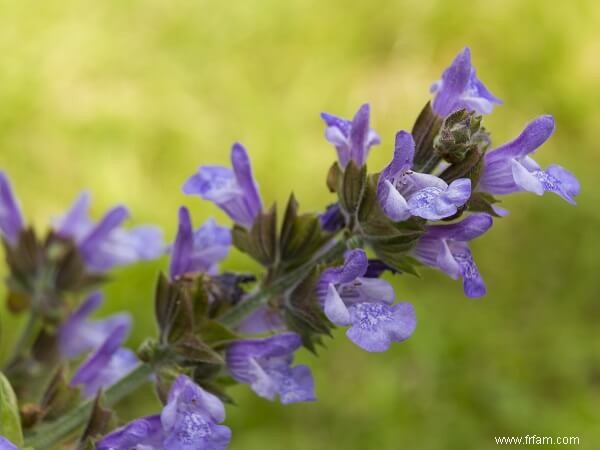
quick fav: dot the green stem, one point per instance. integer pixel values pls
(48, 435)
(26, 340)
(242, 310)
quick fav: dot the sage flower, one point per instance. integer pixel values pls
(364, 304)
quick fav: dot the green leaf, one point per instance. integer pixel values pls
(10, 422)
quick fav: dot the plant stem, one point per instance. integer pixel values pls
(26, 339)
(243, 309)
(48, 435)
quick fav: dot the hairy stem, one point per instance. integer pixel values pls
(48, 435)
(242, 310)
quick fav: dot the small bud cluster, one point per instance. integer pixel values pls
(216, 329)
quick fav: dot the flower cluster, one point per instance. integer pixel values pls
(318, 271)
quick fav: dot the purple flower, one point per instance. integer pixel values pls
(403, 193)
(189, 421)
(11, 220)
(352, 138)
(5, 444)
(445, 247)
(364, 304)
(200, 250)
(509, 168)
(145, 433)
(78, 334)
(233, 190)
(107, 365)
(459, 88)
(106, 244)
(191, 418)
(265, 364)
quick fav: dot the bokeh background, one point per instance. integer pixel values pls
(127, 98)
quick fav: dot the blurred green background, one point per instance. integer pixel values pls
(127, 98)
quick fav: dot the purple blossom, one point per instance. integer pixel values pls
(107, 365)
(189, 421)
(509, 168)
(265, 364)
(191, 418)
(352, 138)
(11, 219)
(403, 193)
(233, 190)
(364, 304)
(78, 334)
(459, 88)
(145, 433)
(445, 247)
(106, 244)
(5, 444)
(200, 250)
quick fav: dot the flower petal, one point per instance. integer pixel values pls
(473, 284)
(393, 204)
(181, 255)
(11, 220)
(533, 136)
(144, 433)
(559, 180)
(359, 133)
(525, 179)
(297, 386)
(243, 174)
(75, 223)
(334, 307)
(376, 325)
(468, 229)
(453, 84)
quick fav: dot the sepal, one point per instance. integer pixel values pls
(424, 131)
(59, 396)
(10, 422)
(304, 315)
(301, 236)
(351, 187)
(483, 202)
(260, 242)
(97, 425)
